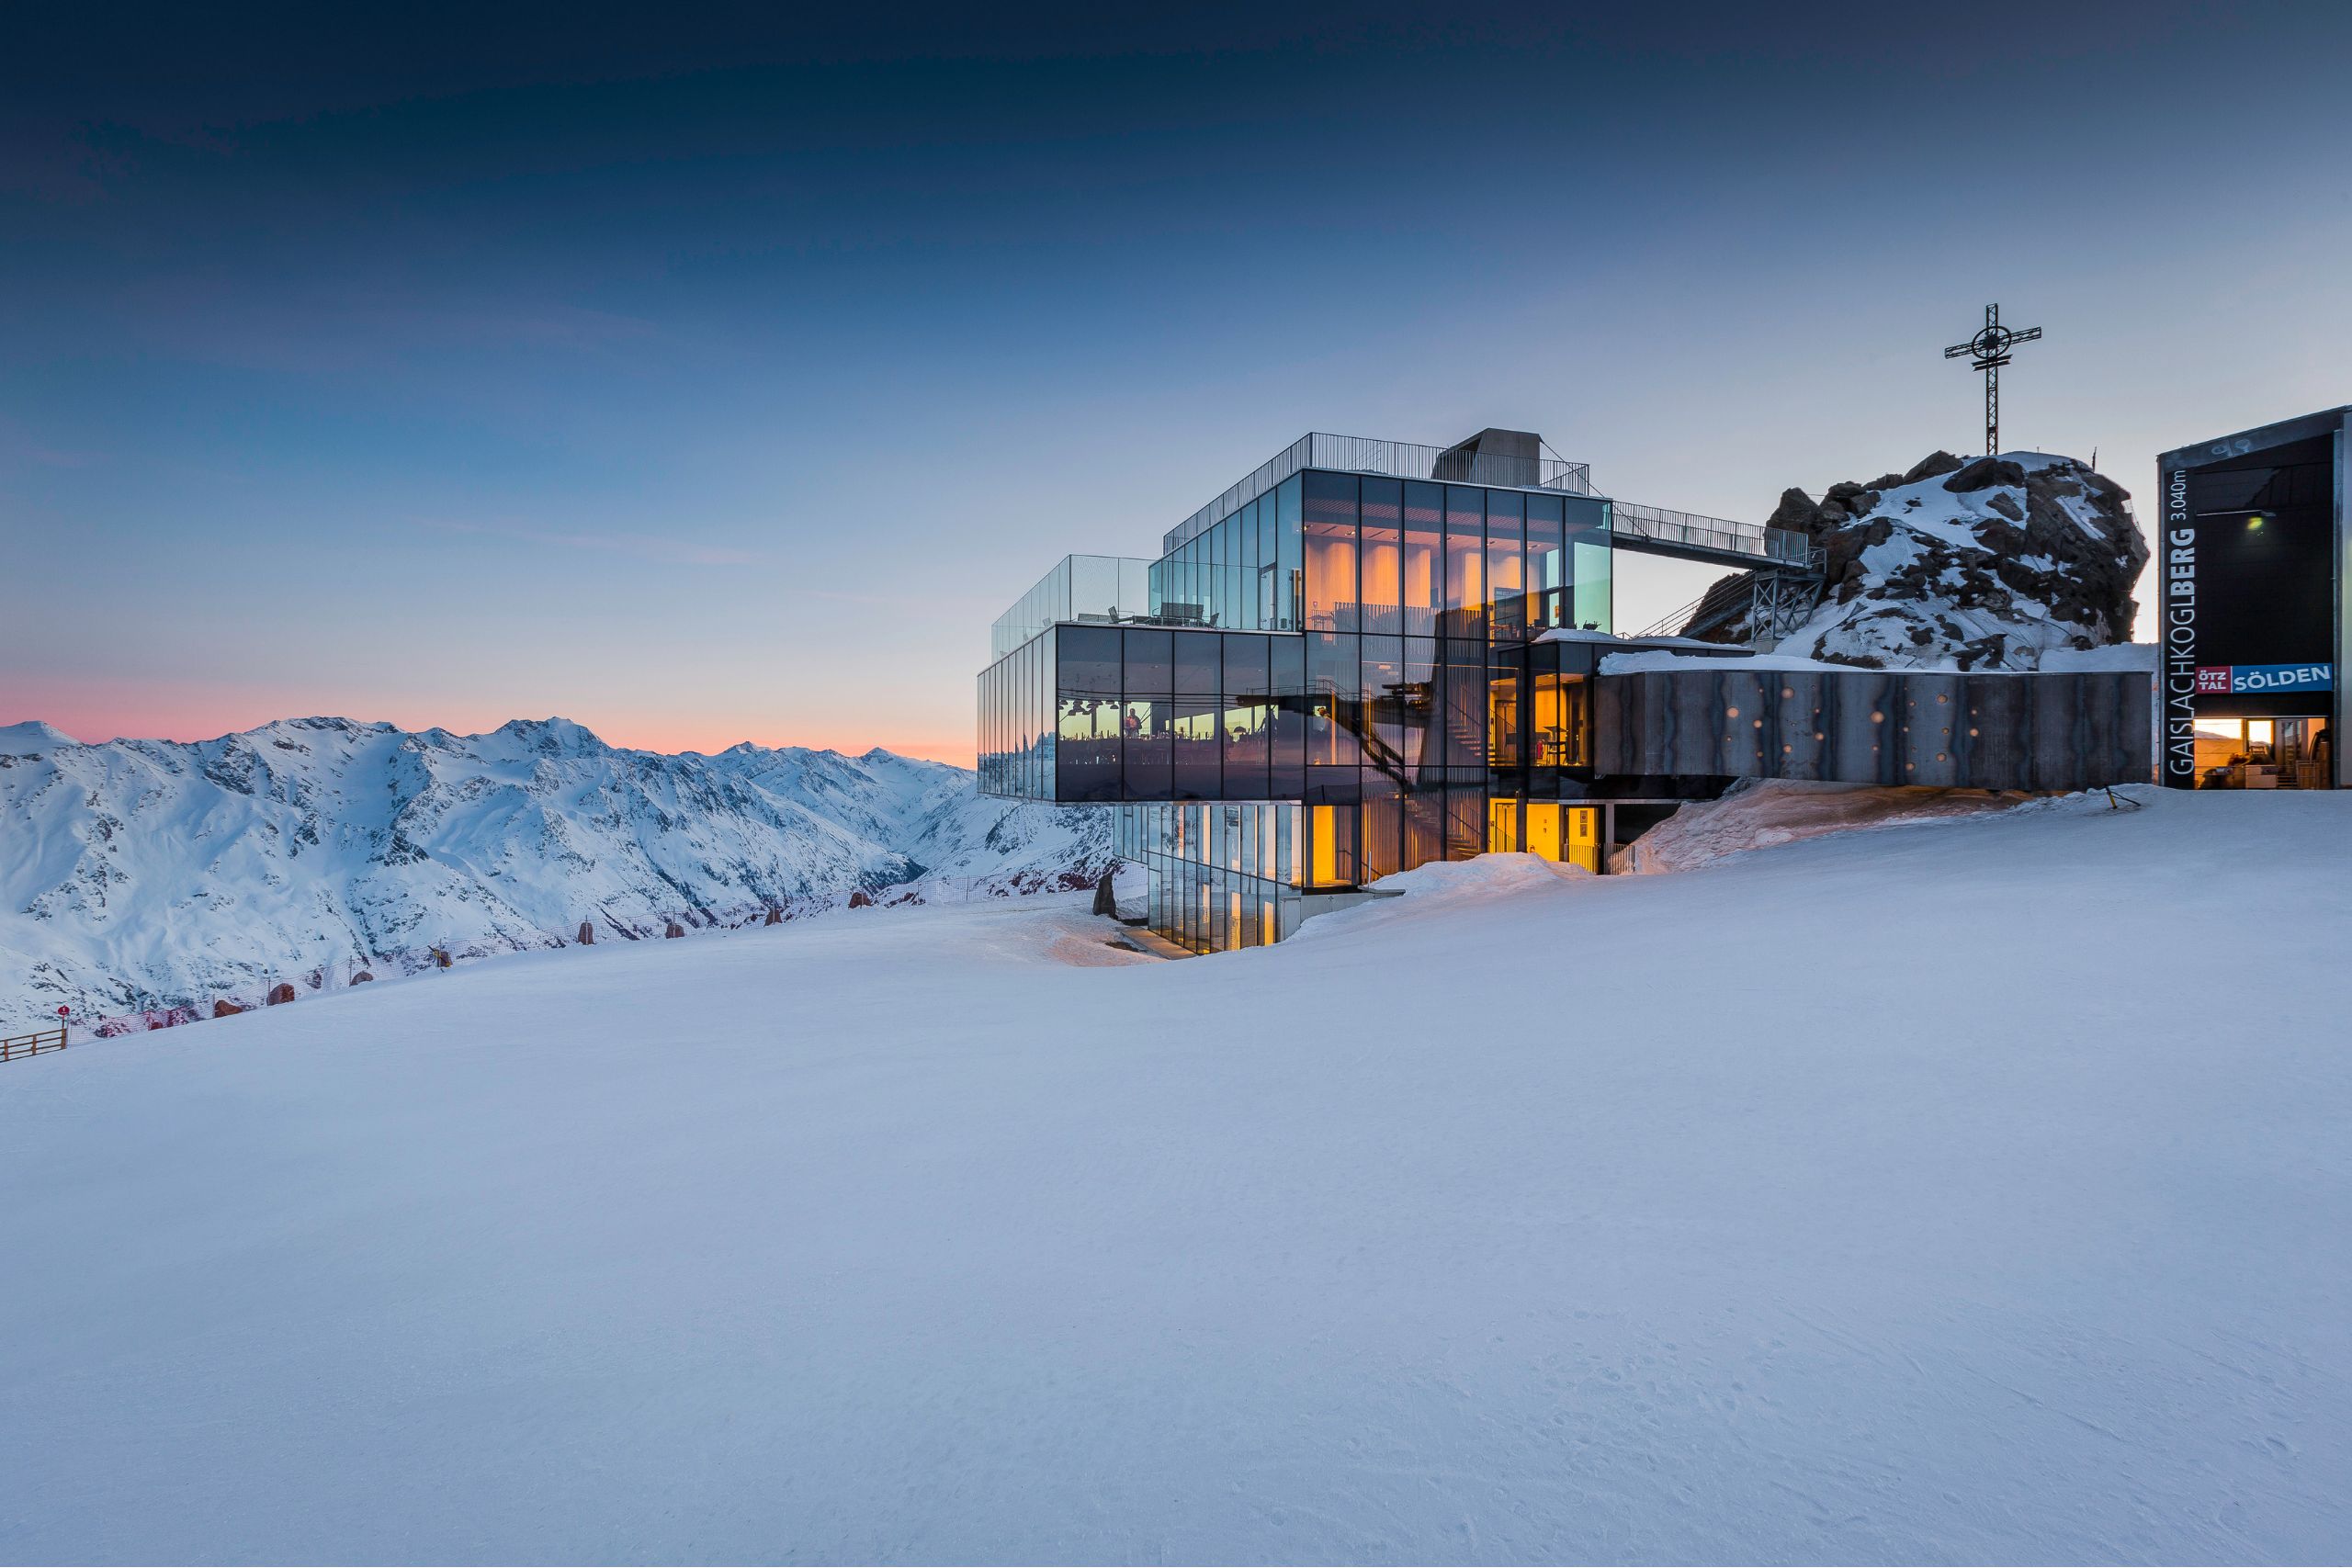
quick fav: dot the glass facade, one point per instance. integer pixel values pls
(1334, 683)
(1223, 874)
(1241, 574)
(1079, 588)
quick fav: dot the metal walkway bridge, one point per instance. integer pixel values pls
(1718, 541)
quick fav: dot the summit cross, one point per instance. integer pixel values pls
(1989, 351)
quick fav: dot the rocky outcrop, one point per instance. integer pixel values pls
(1988, 563)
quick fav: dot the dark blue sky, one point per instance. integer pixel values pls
(707, 376)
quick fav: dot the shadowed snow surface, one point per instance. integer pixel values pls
(1971, 1191)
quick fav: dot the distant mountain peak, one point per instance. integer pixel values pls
(31, 737)
(173, 873)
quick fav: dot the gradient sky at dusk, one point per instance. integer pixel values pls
(704, 379)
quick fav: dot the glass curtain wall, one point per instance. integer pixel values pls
(1017, 721)
(1242, 574)
(1411, 589)
(1224, 875)
(1161, 713)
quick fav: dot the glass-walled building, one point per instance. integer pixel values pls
(1314, 686)
(1367, 655)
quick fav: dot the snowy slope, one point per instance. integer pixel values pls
(146, 874)
(1890, 1196)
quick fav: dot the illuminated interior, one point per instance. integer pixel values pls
(1568, 834)
(2263, 754)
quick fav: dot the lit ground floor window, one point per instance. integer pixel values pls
(1569, 834)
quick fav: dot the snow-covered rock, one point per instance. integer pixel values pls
(1991, 564)
(146, 874)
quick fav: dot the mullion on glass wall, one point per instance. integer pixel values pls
(1383, 729)
(1049, 750)
(1590, 564)
(1248, 718)
(1286, 777)
(1148, 689)
(1423, 574)
(1335, 688)
(1546, 562)
(1506, 546)
(1330, 552)
(1466, 563)
(1381, 561)
(1289, 585)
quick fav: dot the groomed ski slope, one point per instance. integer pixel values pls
(1971, 1191)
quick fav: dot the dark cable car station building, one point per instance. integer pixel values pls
(1369, 655)
(2254, 625)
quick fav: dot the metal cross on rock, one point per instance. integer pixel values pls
(1989, 351)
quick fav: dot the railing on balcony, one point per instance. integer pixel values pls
(1397, 459)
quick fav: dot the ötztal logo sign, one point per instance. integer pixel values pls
(2237, 680)
(2244, 678)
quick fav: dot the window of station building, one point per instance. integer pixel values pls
(1334, 700)
(1331, 846)
(1092, 717)
(1458, 726)
(1381, 843)
(1546, 569)
(1424, 827)
(1193, 728)
(1502, 718)
(1265, 575)
(1286, 779)
(1330, 552)
(1465, 821)
(1090, 658)
(1382, 561)
(1424, 558)
(1089, 751)
(1248, 718)
(1588, 565)
(1145, 728)
(1290, 589)
(1506, 565)
(1383, 702)
(1560, 724)
(1466, 563)
(1196, 671)
(1418, 707)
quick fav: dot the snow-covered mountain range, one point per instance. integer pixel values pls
(145, 875)
(1987, 564)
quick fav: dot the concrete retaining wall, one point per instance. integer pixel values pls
(2054, 731)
